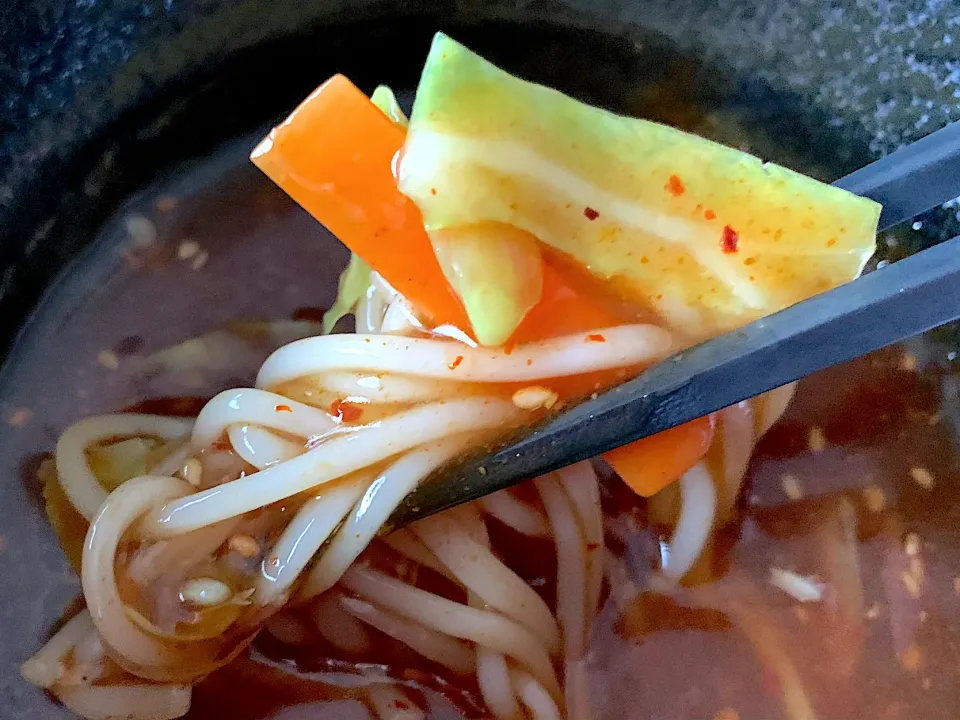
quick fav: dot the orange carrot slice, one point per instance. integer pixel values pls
(334, 155)
(649, 465)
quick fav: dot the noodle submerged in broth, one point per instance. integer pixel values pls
(232, 563)
(263, 512)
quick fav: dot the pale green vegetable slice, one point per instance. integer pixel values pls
(705, 236)
(354, 282)
(384, 99)
(117, 462)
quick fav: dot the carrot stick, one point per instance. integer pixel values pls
(650, 464)
(334, 155)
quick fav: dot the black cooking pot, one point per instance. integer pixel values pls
(102, 98)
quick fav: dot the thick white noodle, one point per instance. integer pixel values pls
(493, 671)
(580, 483)
(484, 628)
(304, 535)
(623, 346)
(113, 702)
(516, 514)
(46, 666)
(484, 574)
(135, 650)
(733, 443)
(399, 319)
(698, 507)
(372, 509)
(385, 388)
(439, 647)
(337, 626)
(577, 688)
(381, 286)
(493, 677)
(258, 407)
(409, 545)
(174, 460)
(369, 312)
(177, 555)
(262, 448)
(534, 696)
(571, 565)
(290, 629)
(768, 408)
(78, 481)
(335, 458)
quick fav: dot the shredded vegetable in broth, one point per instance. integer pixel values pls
(229, 547)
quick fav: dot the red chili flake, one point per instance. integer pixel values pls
(592, 546)
(529, 362)
(345, 411)
(709, 214)
(283, 408)
(590, 214)
(675, 186)
(433, 191)
(401, 704)
(456, 362)
(729, 240)
(595, 337)
(221, 444)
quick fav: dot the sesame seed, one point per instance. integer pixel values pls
(108, 359)
(142, 232)
(192, 471)
(791, 487)
(534, 398)
(911, 544)
(205, 592)
(200, 260)
(244, 545)
(908, 363)
(816, 440)
(187, 249)
(922, 477)
(873, 612)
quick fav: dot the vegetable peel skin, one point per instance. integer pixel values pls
(642, 205)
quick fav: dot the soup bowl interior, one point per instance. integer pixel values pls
(151, 229)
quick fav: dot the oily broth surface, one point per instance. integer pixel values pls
(219, 244)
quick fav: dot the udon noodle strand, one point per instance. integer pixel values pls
(275, 493)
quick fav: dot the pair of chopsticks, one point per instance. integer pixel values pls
(879, 309)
